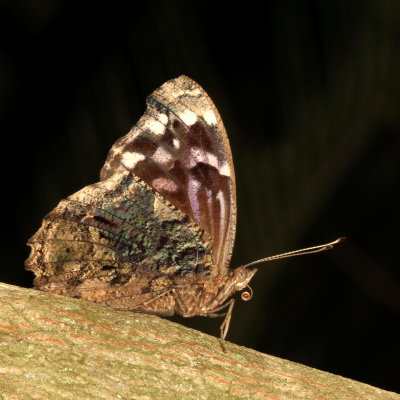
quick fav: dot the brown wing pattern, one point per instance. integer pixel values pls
(180, 148)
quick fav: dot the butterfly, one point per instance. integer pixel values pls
(156, 234)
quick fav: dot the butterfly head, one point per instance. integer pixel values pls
(239, 279)
(242, 276)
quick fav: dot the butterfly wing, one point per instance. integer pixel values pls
(180, 148)
(160, 222)
(119, 243)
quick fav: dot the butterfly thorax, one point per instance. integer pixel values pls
(210, 293)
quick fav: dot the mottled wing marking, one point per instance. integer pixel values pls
(180, 148)
(112, 242)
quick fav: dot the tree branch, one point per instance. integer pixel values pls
(54, 347)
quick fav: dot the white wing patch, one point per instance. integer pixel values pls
(161, 156)
(209, 117)
(153, 125)
(188, 117)
(197, 155)
(130, 159)
(212, 160)
(225, 169)
(163, 118)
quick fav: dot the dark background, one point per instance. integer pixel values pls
(310, 94)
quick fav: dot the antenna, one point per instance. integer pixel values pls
(301, 252)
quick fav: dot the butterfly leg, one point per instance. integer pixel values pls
(225, 324)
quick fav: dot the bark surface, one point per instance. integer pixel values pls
(54, 347)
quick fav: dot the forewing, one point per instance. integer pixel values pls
(180, 148)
